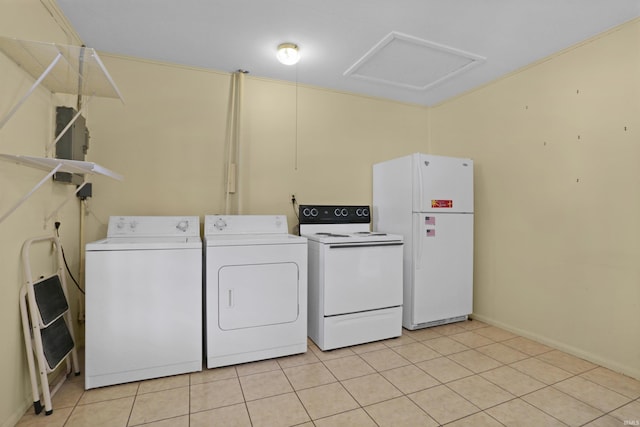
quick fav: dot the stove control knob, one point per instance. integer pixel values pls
(220, 224)
(306, 212)
(344, 212)
(365, 212)
(359, 212)
(314, 212)
(337, 212)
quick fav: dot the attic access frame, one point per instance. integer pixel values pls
(74, 70)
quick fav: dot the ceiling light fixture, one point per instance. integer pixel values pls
(288, 53)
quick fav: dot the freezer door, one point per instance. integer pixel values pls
(442, 184)
(443, 267)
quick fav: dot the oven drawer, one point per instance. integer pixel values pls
(360, 328)
(361, 277)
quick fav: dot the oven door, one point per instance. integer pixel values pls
(361, 276)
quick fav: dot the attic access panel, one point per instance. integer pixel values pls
(412, 63)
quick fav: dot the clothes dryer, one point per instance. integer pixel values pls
(255, 289)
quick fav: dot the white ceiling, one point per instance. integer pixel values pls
(416, 51)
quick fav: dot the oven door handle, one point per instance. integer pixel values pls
(364, 245)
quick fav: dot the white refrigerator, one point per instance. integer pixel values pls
(429, 200)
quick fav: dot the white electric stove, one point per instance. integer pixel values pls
(355, 277)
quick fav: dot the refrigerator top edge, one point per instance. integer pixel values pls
(416, 157)
(438, 156)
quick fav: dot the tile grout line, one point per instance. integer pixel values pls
(295, 392)
(394, 349)
(133, 404)
(189, 412)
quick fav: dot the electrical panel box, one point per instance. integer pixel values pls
(73, 145)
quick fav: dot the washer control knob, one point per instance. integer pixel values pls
(120, 225)
(133, 225)
(220, 224)
(183, 225)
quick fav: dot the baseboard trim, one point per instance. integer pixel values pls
(591, 357)
(18, 414)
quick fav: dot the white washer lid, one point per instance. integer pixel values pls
(144, 243)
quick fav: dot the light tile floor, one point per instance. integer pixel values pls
(463, 374)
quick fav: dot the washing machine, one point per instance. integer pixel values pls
(255, 289)
(143, 300)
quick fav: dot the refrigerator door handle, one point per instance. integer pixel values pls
(420, 208)
(418, 241)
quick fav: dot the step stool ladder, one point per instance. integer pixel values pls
(47, 324)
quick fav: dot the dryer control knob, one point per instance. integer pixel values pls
(183, 226)
(220, 224)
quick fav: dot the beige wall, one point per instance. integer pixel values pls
(339, 137)
(556, 147)
(168, 140)
(555, 223)
(27, 133)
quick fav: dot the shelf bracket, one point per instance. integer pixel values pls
(52, 214)
(52, 166)
(81, 72)
(46, 72)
